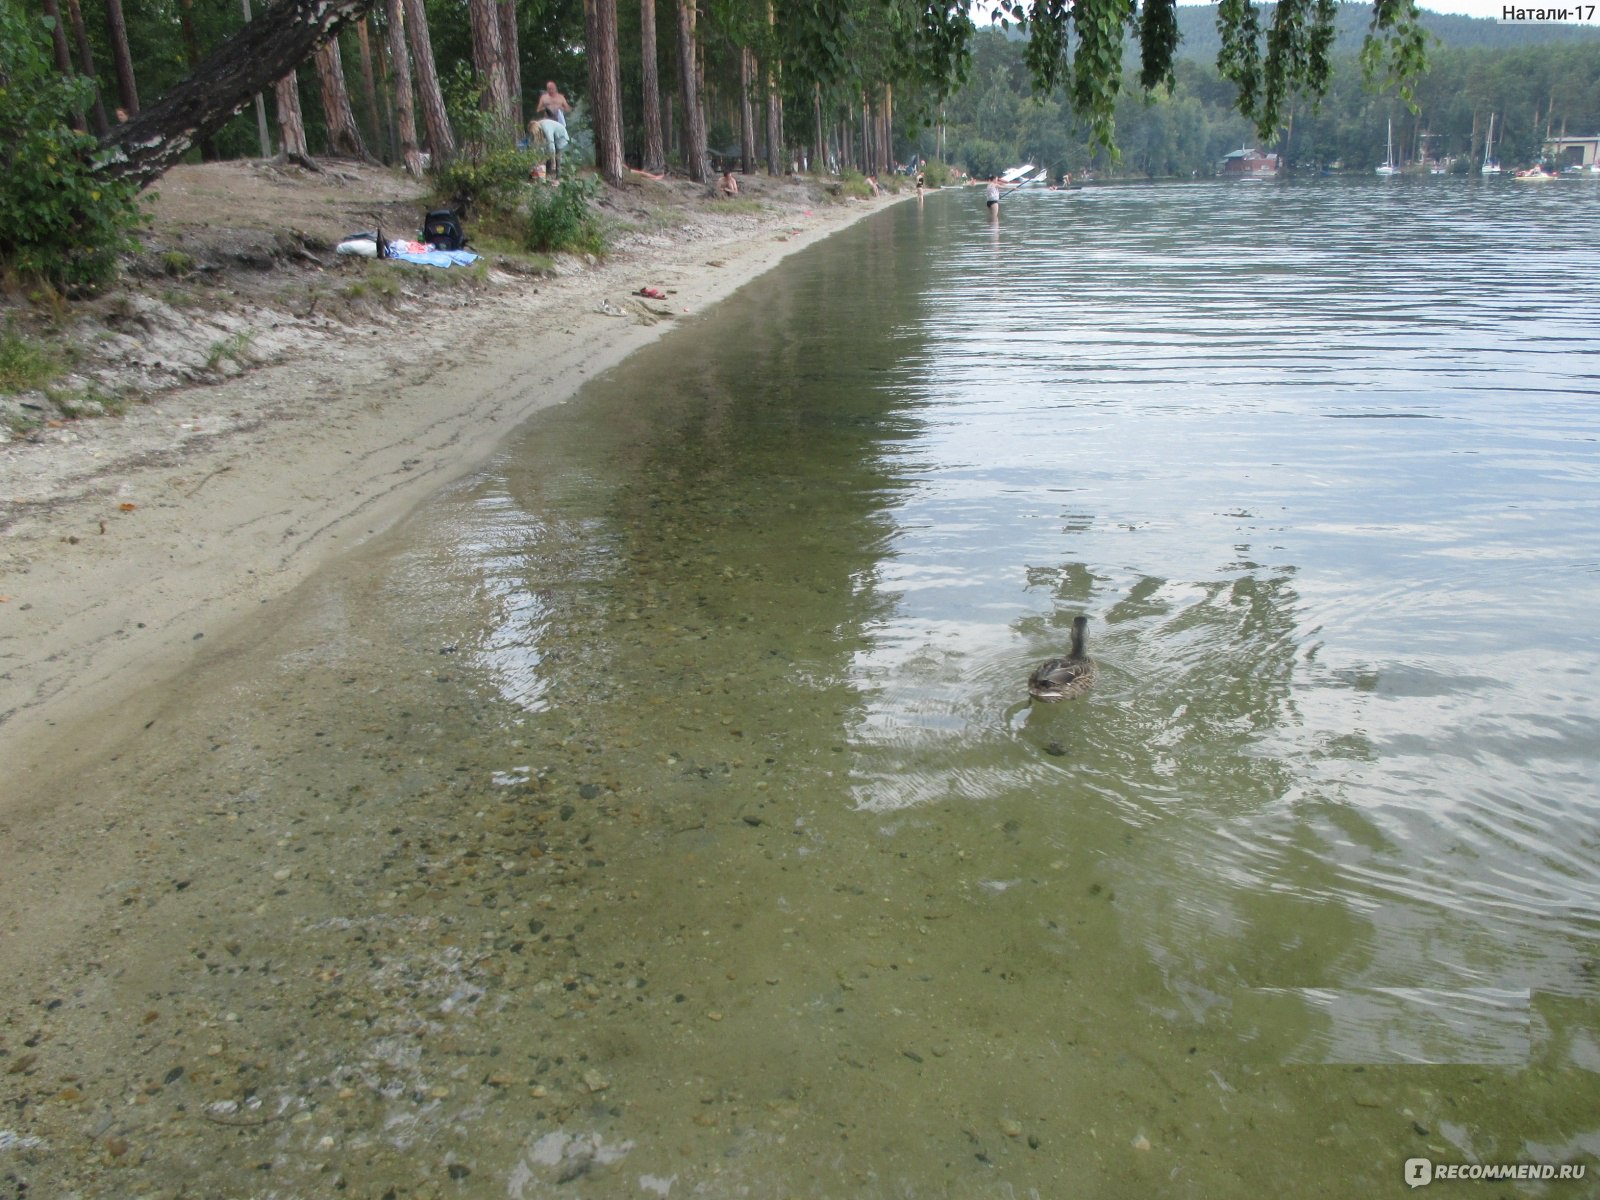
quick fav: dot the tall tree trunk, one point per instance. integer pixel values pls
(605, 87)
(747, 121)
(127, 84)
(369, 85)
(58, 36)
(887, 153)
(97, 110)
(775, 156)
(264, 51)
(654, 158)
(511, 55)
(390, 135)
(291, 126)
(775, 163)
(489, 59)
(344, 135)
(405, 118)
(694, 121)
(866, 135)
(819, 164)
(441, 140)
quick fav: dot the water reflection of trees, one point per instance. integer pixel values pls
(722, 497)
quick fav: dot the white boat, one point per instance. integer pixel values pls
(1023, 176)
(1490, 166)
(1388, 167)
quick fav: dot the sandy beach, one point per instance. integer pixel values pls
(127, 542)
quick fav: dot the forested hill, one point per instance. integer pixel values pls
(1198, 25)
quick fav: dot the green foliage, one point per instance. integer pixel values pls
(492, 180)
(475, 126)
(63, 223)
(562, 218)
(984, 158)
(490, 171)
(935, 173)
(1077, 46)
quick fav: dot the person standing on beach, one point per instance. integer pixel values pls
(552, 104)
(549, 137)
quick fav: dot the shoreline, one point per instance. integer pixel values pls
(133, 542)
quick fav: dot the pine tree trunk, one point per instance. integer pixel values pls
(775, 163)
(369, 85)
(866, 138)
(127, 84)
(654, 158)
(291, 126)
(887, 152)
(489, 60)
(264, 51)
(389, 136)
(344, 135)
(819, 164)
(694, 121)
(775, 157)
(441, 140)
(58, 36)
(605, 87)
(512, 57)
(747, 121)
(97, 110)
(405, 117)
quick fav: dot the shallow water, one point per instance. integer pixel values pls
(661, 812)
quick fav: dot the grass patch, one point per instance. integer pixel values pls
(27, 364)
(235, 348)
(737, 205)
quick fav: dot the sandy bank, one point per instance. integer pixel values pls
(126, 542)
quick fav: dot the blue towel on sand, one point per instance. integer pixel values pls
(434, 258)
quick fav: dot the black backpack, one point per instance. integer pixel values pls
(442, 230)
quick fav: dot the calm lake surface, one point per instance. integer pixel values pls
(661, 813)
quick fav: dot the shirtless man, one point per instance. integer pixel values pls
(553, 104)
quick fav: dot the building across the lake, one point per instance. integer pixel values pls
(1573, 151)
(1249, 164)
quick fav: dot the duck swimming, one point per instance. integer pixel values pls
(1064, 678)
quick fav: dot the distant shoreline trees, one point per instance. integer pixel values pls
(839, 84)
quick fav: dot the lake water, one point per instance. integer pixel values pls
(661, 813)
